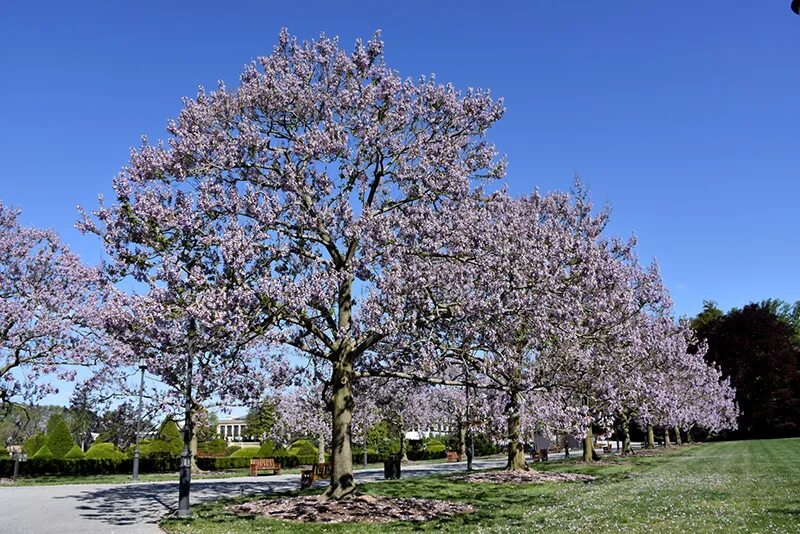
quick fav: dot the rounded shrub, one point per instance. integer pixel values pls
(104, 451)
(230, 450)
(247, 452)
(44, 452)
(435, 445)
(75, 453)
(214, 447)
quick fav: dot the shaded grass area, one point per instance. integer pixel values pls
(745, 486)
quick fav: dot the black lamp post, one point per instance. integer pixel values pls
(796, 6)
(365, 447)
(135, 476)
(184, 509)
(470, 446)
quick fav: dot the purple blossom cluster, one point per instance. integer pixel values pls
(328, 211)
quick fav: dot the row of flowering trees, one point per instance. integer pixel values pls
(331, 215)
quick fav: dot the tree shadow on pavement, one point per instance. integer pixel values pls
(148, 503)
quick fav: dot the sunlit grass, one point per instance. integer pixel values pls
(746, 486)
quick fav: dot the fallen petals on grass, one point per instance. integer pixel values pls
(361, 509)
(523, 477)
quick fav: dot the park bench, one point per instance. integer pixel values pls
(315, 472)
(264, 464)
(453, 456)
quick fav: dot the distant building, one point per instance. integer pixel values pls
(235, 431)
(437, 430)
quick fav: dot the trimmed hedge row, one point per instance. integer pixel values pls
(287, 461)
(87, 466)
(164, 464)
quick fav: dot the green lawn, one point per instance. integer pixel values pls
(746, 486)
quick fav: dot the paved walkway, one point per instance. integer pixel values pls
(137, 508)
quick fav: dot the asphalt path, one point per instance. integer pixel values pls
(138, 507)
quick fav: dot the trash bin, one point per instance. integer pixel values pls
(391, 467)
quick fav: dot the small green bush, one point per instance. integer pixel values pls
(302, 447)
(34, 443)
(44, 452)
(104, 451)
(75, 453)
(214, 447)
(168, 440)
(268, 449)
(59, 440)
(434, 445)
(230, 450)
(247, 452)
(4, 453)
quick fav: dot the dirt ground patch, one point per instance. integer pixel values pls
(361, 509)
(524, 477)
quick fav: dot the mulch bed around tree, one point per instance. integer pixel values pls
(524, 477)
(361, 509)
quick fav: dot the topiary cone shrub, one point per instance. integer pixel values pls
(75, 453)
(59, 440)
(34, 443)
(44, 452)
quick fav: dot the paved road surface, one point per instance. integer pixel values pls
(137, 508)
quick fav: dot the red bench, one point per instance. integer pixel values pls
(453, 456)
(264, 464)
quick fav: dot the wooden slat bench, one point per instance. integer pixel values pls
(264, 464)
(315, 472)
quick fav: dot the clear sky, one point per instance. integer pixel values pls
(682, 115)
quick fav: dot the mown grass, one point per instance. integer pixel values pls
(745, 486)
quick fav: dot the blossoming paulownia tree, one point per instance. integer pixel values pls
(48, 311)
(301, 176)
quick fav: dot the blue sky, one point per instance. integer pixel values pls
(684, 116)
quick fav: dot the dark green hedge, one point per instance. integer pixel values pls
(87, 466)
(287, 461)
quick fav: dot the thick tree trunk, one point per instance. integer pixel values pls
(516, 452)
(626, 435)
(588, 445)
(666, 437)
(651, 438)
(321, 453)
(342, 479)
(678, 440)
(689, 435)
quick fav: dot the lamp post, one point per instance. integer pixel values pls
(365, 447)
(135, 477)
(184, 510)
(470, 448)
